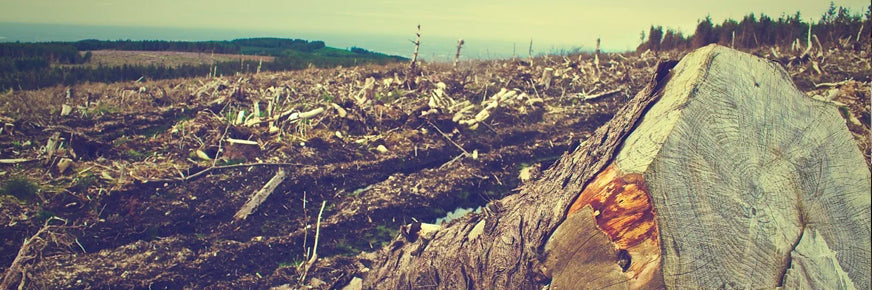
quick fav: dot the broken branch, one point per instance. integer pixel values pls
(26, 253)
(308, 264)
(240, 141)
(207, 170)
(603, 94)
(261, 195)
(16, 160)
(448, 138)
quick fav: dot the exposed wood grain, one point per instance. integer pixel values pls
(585, 252)
(739, 162)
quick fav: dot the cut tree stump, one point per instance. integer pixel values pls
(719, 174)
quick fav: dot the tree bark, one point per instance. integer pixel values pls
(720, 173)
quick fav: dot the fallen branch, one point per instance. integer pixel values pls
(774, 53)
(261, 195)
(204, 171)
(16, 160)
(603, 94)
(25, 254)
(240, 141)
(448, 138)
(831, 84)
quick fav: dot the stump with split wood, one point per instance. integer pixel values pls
(719, 174)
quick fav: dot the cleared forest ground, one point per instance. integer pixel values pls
(147, 176)
(165, 58)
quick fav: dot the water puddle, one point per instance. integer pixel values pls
(457, 213)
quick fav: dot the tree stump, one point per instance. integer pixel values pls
(719, 174)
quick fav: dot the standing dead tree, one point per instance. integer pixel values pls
(457, 54)
(530, 50)
(720, 173)
(596, 61)
(413, 66)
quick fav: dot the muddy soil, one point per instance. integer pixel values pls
(145, 177)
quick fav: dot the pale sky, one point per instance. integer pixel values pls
(556, 22)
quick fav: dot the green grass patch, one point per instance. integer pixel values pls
(82, 183)
(135, 155)
(380, 235)
(344, 248)
(103, 109)
(22, 188)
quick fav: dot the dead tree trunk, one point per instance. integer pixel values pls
(457, 55)
(720, 173)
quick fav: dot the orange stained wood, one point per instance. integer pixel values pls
(623, 210)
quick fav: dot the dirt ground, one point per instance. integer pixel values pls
(137, 184)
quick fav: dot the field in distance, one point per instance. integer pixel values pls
(116, 58)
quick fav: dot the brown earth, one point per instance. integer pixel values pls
(155, 173)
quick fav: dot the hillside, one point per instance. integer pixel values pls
(38, 65)
(120, 58)
(138, 184)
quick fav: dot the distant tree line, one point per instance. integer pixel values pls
(258, 46)
(836, 24)
(50, 52)
(35, 65)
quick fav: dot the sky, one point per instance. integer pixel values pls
(549, 24)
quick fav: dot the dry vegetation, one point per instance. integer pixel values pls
(164, 58)
(148, 176)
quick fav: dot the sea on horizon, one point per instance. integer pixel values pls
(433, 48)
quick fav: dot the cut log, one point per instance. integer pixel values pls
(719, 174)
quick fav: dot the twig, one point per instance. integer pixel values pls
(774, 53)
(25, 254)
(306, 231)
(821, 47)
(591, 97)
(220, 142)
(447, 138)
(80, 246)
(261, 195)
(831, 84)
(240, 141)
(451, 161)
(204, 171)
(314, 257)
(534, 88)
(317, 233)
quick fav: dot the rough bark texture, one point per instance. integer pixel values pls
(754, 185)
